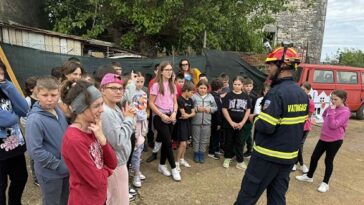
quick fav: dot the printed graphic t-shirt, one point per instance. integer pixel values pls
(236, 104)
(11, 140)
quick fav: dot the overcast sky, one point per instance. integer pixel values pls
(344, 26)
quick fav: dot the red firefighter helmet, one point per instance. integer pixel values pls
(291, 56)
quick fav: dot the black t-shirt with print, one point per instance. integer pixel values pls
(7, 150)
(187, 105)
(3, 96)
(236, 104)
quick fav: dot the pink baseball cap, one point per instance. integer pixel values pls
(111, 78)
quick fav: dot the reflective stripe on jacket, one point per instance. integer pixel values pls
(279, 127)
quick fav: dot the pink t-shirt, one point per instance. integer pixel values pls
(311, 109)
(163, 102)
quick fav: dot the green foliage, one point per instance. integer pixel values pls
(167, 24)
(351, 57)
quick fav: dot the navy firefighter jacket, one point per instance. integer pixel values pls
(279, 127)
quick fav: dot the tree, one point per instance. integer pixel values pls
(348, 57)
(351, 57)
(151, 25)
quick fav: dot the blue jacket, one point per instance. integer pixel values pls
(44, 134)
(279, 126)
(10, 111)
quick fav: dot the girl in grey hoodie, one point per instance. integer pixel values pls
(205, 105)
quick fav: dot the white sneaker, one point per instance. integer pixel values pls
(157, 147)
(137, 182)
(184, 163)
(226, 163)
(164, 170)
(131, 197)
(323, 187)
(304, 178)
(177, 167)
(175, 175)
(304, 169)
(241, 165)
(132, 191)
(142, 177)
(294, 168)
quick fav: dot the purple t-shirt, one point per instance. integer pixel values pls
(163, 102)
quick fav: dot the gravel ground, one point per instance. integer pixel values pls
(210, 183)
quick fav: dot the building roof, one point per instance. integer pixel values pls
(62, 35)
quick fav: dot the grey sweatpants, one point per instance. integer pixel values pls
(201, 137)
(54, 191)
(135, 159)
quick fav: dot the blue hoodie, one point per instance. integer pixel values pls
(44, 134)
(12, 106)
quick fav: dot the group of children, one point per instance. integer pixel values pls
(82, 135)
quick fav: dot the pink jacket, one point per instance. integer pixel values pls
(335, 123)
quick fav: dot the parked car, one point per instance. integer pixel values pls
(325, 78)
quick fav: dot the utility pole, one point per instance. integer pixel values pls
(204, 39)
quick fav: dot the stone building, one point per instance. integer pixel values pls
(303, 25)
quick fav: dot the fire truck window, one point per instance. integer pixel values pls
(345, 77)
(323, 76)
(362, 78)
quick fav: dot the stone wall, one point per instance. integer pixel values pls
(304, 27)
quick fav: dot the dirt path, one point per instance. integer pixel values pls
(210, 183)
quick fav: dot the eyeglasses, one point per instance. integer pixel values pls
(114, 89)
(184, 64)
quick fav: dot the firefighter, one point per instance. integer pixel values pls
(278, 132)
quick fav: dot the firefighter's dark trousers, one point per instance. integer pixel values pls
(260, 175)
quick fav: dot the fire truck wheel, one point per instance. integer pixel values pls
(360, 112)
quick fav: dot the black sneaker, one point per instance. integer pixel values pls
(214, 156)
(152, 157)
(247, 154)
(145, 149)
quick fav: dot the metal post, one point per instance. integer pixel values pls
(204, 39)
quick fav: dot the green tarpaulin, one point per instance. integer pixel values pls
(27, 62)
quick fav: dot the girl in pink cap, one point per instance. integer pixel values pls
(118, 126)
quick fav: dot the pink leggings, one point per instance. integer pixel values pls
(118, 187)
